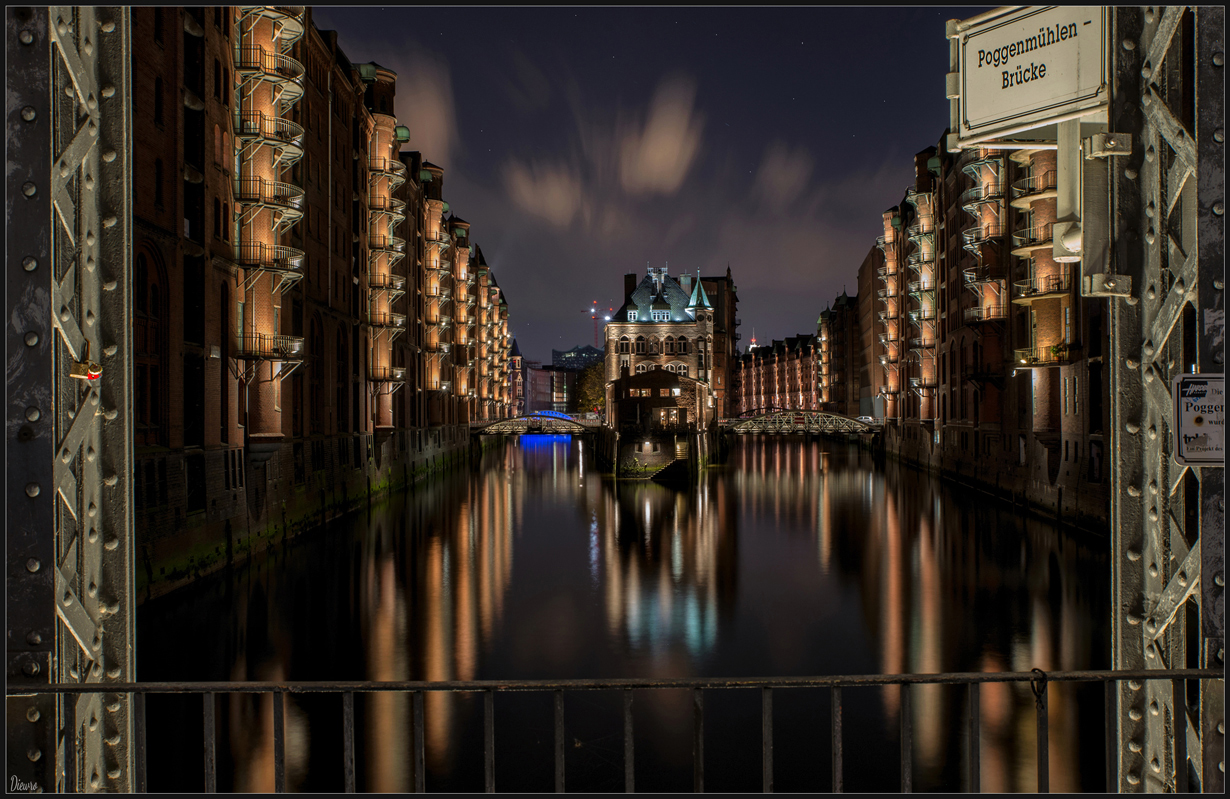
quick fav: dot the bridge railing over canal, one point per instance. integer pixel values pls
(768, 688)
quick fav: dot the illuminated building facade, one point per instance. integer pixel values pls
(686, 326)
(783, 374)
(292, 266)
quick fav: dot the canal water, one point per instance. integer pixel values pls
(796, 558)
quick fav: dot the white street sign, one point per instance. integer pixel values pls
(1199, 422)
(1030, 68)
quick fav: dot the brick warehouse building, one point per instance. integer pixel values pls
(685, 325)
(310, 322)
(991, 364)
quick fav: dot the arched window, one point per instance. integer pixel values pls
(624, 345)
(653, 346)
(226, 221)
(670, 345)
(217, 79)
(683, 346)
(640, 368)
(149, 367)
(217, 218)
(640, 345)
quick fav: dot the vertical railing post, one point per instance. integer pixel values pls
(907, 741)
(211, 743)
(629, 762)
(975, 772)
(489, 739)
(559, 741)
(279, 742)
(420, 778)
(348, 740)
(836, 714)
(766, 739)
(698, 741)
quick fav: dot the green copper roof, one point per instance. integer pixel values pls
(699, 298)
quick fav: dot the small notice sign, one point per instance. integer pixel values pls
(1199, 423)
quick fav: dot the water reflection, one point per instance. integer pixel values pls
(797, 558)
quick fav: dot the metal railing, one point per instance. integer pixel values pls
(387, 374)
(386, 282)
(1043, 284)
(980, 234)
(266, 345)
(1038, 680)
(920, 286)
(984, 313)
(1037, 235)
(1035, 184)
(384, 319)
(1042, 356)
(275, 257)
(256, 59)
(387, 166)
(980, 194)
(386, 243)
(286, 196)
(281, 132)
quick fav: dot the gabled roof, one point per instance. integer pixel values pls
(699, 299)
(645, 298)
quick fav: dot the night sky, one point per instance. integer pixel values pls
(582, 143)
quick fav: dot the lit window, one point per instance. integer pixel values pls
(631, 316)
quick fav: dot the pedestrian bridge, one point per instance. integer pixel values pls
(535, 424)
(784, 420)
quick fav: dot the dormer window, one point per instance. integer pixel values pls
(631, 316)
(661, 316)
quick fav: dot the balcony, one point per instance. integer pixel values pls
(922, 343)
(390, 244)
(287, 22)
(1040, 286)
(1030, 239)
(390, 168)
(922, 315)
(979, 275)
(269, 347)
(921, 384)
(387, 374)
(379, 204)
(924, 286)
(983, 234)
(985, 313)
(887, 293)
(441, 239)
(976, 196)
(1035, 187)
(917, 260)
(888, 390)
(973, 168)
(395, 284)
(283, 199)
(284, 73)
(395, 321)
(1056, 355)
(281, 135)
(269, 257)
(884, 243)
(887, 271)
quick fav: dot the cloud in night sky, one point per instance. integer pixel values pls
(425, 103)
(657, 159)
(550, 191)
(783, 175)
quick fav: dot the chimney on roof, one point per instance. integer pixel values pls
(685, 283)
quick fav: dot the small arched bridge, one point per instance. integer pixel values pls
(535, 424)
(785, 420)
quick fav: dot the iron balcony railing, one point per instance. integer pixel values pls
(916, 260)
(386, 282)
(992, 159)
(981, 234)
(984, 193)
(887, 271)
(923, 382)
(985, 313)
(1042, 356)
(387, 374)
(287, 21)
(285, 197)
(887, 292)
(1043, 284)
(888, 390)
(982, 273)
(921, 342)
(281, 70)
(922, 315)
(273, 257)
(254, 346)
(1034, 184)
(391, 167)
(283, 134)
(386, 243)
(913, 196)
(921, 286)
(1036, 236)
(386, 319)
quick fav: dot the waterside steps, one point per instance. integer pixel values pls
(674, 473)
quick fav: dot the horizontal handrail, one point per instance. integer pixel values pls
(276, 129)
(1038, 234)
(980, 313)
(258, 59)
(1035, 184)
(268, 192)
(268, 256)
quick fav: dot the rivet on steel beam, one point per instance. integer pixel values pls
(1150, 236)
(1131, 363)
(1219, 581)
(29, 114)
(1129, 45)
(89, 316)
(114, 672)
(1150, 651)
(72, 672)
(31, 339)
(33, 565)
(1219, 136)
(33, 414)
(107, 26)
(1133, 490)
(29, 189)
(1151, 624)
(89, 184)
(96, 671)
(111, 543)
(109, 222)
(32, 715)
(92, 537)
(113, 740)
(1130, 174)
(32, 489)
(1134, 746)
(110, 480)
(1219, 283)
(114, 706)
(1152, 430)
(1135, 715)
(108, 91)
(89, 235)
(29, 263)
(1132, 427)
(1153, 708)
(1147, 70)
(1133, 779)
(110, 285)
(1150, 153)
(1148, 348)
(1221, 727)
(1182, 578)
(92, 511)
(1153, 487)
(1153, 573)
(90, 454)
(1218, 208)
(30, 669)
(1132, 618)
(1219, 59)
(1156, 766)
(33, 638)
(34, 754)
(108, 155)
